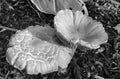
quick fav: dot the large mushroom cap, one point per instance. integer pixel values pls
(81, 29)
(38, 51)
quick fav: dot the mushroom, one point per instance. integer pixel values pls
(38, 50)
(53, 6)
(80, 29)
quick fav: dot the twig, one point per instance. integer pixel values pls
(8, 28)
(7, 74)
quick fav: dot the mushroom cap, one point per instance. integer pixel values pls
(45, 6)
(117, 27)
(53, 6)
(39, 51)
(79, 28)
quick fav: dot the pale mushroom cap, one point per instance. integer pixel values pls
(117, 27)
(79, 28)
(53, 6)
(38, 54)
(45, 6)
